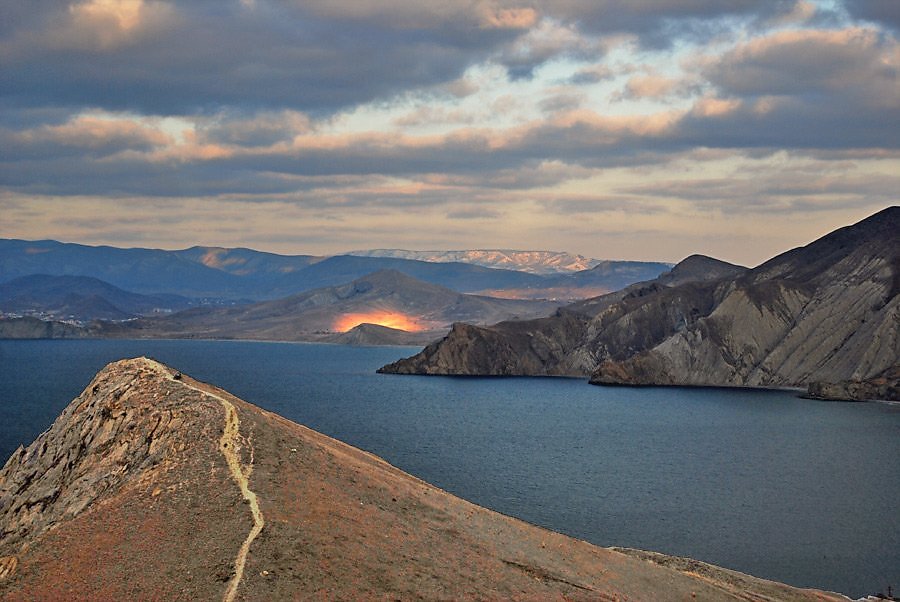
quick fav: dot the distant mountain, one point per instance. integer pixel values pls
(154, 486)
(248, 263)
(826, 312)
(81, 298)
(534, 262)
(201, 272)
(33, 328)
(242, 274)
(388, 298)
(460, 277)
(149, 271)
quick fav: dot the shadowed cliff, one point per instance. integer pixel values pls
(824, 313)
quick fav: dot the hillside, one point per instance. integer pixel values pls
(151, 485)
(388, 298)
(570, 342)
(81, 298)
(826, 312)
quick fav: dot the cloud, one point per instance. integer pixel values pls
(474, 213)
(881, 11)
(856, 62)
(546, 41)
(179, 58)
(826, 89)
(659, 23)
(371, 116)
(652, 86)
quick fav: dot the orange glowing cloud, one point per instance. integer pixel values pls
(382, 318)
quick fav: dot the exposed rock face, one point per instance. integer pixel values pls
(885, 386)
(825, 312)
(576, 338)
(126, 422)
(152, 485)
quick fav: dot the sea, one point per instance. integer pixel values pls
(763, 482)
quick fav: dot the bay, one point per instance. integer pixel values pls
(763, 482)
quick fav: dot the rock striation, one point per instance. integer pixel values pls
(152, 485)
(826, 312)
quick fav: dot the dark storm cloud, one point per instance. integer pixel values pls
(886, 12)
(205, 55)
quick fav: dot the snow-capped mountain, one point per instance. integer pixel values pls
(535, 262)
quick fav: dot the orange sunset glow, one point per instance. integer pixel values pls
(382, 318)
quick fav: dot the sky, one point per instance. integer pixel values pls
(644, 130)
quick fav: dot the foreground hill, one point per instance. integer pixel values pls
(388, 298)
(825, 312)
(151, 485)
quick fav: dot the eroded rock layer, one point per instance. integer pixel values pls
(827, 312)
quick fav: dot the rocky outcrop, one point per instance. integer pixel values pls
(152, 485)
(127, 421)
(542, 346)
(825, 312)
(885, 386)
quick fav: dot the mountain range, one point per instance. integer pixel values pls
(81, 298)
(246, 274)
(534, 262)
(154, 486)
(827, 312)
(387, 298)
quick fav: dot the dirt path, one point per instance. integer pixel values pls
(228, 445)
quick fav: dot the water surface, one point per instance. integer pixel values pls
(794, 490)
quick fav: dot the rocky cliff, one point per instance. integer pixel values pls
(576, 338)
(826, 312)
(152, 485)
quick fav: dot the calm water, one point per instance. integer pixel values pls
(763, 482)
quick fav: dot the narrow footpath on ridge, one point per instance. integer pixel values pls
(228, 445)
